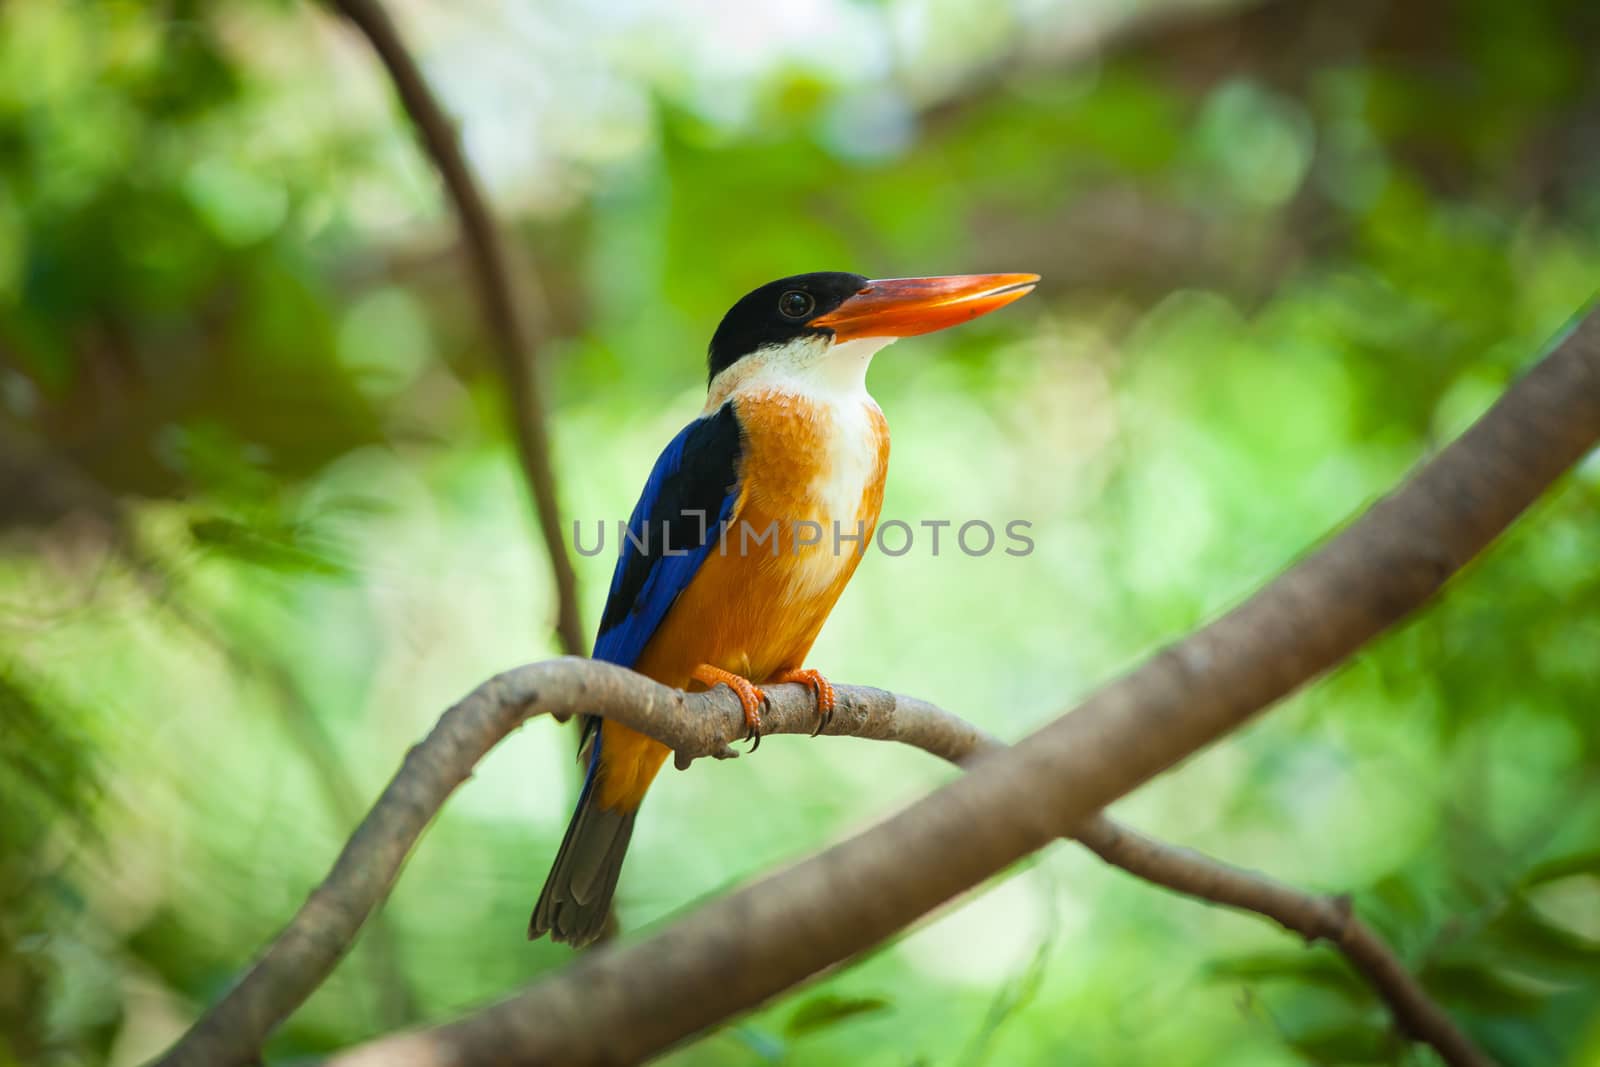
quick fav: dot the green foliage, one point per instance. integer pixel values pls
(1277, 273)
(282, 549)
(48, 780)
(826, 1010)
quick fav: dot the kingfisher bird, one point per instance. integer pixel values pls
(750, 524)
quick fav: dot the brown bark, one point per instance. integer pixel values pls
(625, 1003)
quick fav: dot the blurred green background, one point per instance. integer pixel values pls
(261, 521)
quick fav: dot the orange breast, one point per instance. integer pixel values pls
(762, 595)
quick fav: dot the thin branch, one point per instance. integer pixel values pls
(396, 1000)
(501, 705)
(1315, 918)
(624, 1003)
(621, 1004)
(693, 724)
(492, 271)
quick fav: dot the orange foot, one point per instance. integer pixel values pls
(750, 697)
(820, 688)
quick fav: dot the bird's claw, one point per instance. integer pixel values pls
(752, 717)
(821, 690)
(751, 698)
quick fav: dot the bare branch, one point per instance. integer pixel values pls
(492, 270)
(498, 707)
(622, 1004)
(396, 1001)
(1314, 918)
(693, 724)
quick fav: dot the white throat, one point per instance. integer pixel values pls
(822, 387)
(815, 367)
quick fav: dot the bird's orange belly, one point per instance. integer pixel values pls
(761, 596)
(753, 609)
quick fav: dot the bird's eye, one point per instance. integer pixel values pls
(795, 304)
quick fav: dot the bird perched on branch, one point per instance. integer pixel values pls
(750, 524)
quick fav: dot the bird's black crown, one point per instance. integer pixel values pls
(778, 312)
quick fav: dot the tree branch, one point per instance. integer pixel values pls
(623, 1003)
(497, 708)
(1315, 918)
(692, 724)
(492, 271)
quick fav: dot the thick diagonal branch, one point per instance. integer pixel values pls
(692, 724)
(622, 1004)
(491, 270)
(704, 724)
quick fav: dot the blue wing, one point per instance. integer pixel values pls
(689, 495)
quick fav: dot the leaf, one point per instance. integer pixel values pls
(1321, 969)
(44, 760)
(1481, 989)
(1345, 1044)
(827, 1010)
(279, 549)
(1564, 867)
(1527, 938)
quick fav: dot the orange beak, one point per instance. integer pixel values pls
(905, 307)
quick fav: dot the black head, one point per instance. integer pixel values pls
(779, 312)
